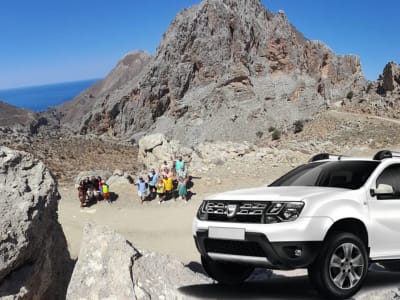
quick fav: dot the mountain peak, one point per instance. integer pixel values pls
(226, 70)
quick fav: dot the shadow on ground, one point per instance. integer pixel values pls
(283, 288)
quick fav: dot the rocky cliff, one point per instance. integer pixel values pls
(98, 103)
(226, 70)
(34, 257)
(381, 97)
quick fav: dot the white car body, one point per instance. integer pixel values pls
(377, 221)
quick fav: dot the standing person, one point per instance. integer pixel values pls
(169, 185)
(106, 192)
(82, 193)
(164, 165)
(179, 164)
(182, 191)
(153, 179)
(182, 173)
(95, 186)
(100, 186)
(160, 189)
(142, 189)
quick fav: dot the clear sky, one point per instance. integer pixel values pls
(47, 41)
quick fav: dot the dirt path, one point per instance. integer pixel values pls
(165, 228)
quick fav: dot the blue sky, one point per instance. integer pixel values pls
(45, 41)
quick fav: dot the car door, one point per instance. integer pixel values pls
(384, 213)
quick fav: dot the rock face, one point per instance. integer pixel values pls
(391, 77)
(155, 148)
(34, 258)
(95, 109)
(18, 125)
(381, 98)
(226, 70)
(109, 267)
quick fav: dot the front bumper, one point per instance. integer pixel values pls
(257, 250)
(288, 245)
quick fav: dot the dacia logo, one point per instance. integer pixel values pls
(232, 208)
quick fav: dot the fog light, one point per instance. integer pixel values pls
(298, 252)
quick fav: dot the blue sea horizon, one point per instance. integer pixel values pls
(42, 97)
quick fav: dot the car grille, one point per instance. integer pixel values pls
(235, 211)
(245, 248)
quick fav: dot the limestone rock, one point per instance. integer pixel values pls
(225, 70)
(34, 258)
(95, 109)
(109, 267)
(155, 148)
(103, 267)
(391, 77)
(105, 175)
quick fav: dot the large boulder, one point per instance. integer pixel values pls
(155, 148)
(34, 258)
(109, 267)
(391, 77)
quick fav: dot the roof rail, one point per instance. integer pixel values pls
(322, 156)
(385, 154)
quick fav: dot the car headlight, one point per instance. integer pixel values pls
(201, 213)
(283, 212)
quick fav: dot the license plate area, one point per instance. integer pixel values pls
(226, 233)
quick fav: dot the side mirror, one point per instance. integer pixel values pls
(382, 189)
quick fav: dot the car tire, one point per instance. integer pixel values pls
(341, 267)
(226, 272)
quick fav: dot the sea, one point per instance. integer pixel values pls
(41, 97)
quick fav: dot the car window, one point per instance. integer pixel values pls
(390, 176)
(340, 174)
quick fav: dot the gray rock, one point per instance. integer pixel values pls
(109, 267)
(94, 110)
(34, 258)
(226, 70)
(105, 175)
(103, 267)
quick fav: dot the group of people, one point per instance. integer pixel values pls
(92, 190)
(170, 182)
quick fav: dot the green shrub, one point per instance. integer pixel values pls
(259, 134)
(271, 129)
(350, 95)
(298, 126)
(276, 134)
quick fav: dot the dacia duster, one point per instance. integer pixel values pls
(334, 215)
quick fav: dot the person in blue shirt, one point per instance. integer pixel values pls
(142, 189)
(153, 178)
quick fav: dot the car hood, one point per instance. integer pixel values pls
(281, 193)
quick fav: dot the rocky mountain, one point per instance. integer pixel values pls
(225, 70)
(97, 101)
(18, 125)
(18, 118)
(381, 98)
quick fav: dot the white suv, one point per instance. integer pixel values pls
(334, 215)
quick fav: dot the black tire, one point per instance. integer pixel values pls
(393, 266)
(341, 267)
(226, 272)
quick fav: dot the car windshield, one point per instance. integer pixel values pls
(340, 174)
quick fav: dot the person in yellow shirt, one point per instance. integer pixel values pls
(160, 190)
(169, 185)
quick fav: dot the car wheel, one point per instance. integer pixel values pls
(341, 267)
(226, 272)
